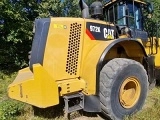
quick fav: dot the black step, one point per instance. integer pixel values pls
(73, 102)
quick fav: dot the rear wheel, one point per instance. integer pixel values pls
(123, 88)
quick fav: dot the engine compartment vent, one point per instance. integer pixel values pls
(73, 49)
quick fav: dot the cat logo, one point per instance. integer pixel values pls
(110, 37)
(108, 33)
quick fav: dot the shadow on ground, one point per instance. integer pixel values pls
(49, 113)
(58, 112)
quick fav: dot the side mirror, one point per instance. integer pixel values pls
(150, 8)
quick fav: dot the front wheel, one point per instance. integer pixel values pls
(123, 88)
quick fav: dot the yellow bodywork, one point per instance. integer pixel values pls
(156, 45)
(47, 83)
(57, 45)
(60, 74)
(35, 88)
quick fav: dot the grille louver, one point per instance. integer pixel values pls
(73, 49)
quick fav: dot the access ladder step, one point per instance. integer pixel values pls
(74, 102)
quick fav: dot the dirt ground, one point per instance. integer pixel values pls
(88, 118)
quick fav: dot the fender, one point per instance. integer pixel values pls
(94, 99)
(100, 65)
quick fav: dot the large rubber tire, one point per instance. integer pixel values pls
(112, 77)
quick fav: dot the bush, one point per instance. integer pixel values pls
(9, 109)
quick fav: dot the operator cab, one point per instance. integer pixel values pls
(128, 16)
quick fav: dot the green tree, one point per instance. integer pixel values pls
(57, 8)
(154, 20)
(16, 25)
(16, 31)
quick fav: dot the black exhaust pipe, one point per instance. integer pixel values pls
(84, 9)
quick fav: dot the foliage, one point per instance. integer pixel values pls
(15, 32)
(16, 25)
(156, 14)
(57, 8)
(10, 109)
(152, 24)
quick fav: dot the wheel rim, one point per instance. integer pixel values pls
(129, 92)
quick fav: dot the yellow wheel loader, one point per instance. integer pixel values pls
(105, 61)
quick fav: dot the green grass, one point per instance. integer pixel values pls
(151, 109)
(15, 110)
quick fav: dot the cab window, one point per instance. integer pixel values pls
(123, 14)
(116, 14)
(134, 11)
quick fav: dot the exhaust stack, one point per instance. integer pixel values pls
(84, 9)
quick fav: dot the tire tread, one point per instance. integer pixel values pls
(112, 67)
